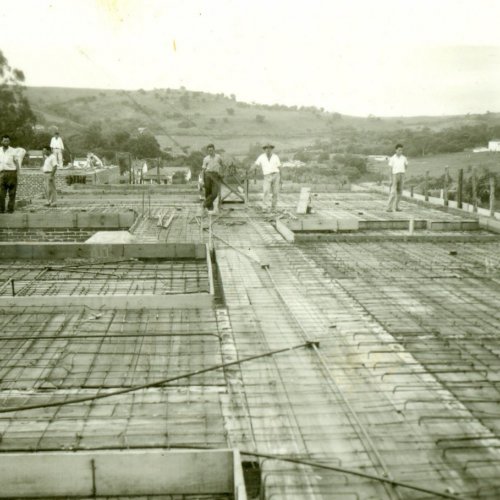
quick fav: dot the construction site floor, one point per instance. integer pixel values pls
(394, 371)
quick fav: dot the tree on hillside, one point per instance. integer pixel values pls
(16, 116)
(120, 138)
(92, 136)
(144, 146)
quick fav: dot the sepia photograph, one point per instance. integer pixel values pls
(250, 250)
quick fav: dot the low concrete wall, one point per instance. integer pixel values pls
(60, 251)
(72, 235)
(77, 220)
(121, 473)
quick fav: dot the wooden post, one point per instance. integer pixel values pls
(411, 191)
(460, 187)
(210, 241)
(445, 188)
(474, 191)
(426, 186)
(158, 171)
(492, 195)
(129, 169)
(247, 190)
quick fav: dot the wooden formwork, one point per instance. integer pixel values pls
(122, 473)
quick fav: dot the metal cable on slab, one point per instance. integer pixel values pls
(157, 383)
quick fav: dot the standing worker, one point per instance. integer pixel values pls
(57, 146)
(398, 164)
(9, 169)
(49, 171)
(212, 169)
(270, 164)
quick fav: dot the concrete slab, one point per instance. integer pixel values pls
(103, 237)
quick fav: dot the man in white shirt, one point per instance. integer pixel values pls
(49, 171)
(57, 147)
(9, 168)
(270, 164)
(212, 169)
(398, 164)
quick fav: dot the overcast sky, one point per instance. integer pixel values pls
(383, 57)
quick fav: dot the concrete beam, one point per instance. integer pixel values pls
(489, 224)
(404, 236)
(61, 251)
(453, 225)
(120, 473)
(80, 220)
(391, 224)
(199, 300)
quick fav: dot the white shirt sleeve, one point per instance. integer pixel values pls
(278, 162)
(53, 142)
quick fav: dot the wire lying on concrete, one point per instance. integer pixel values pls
(333, 468)
(157, 383)
(351, 472)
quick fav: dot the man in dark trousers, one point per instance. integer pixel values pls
(212, 168)
(9, 168)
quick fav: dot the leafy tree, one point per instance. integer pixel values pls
(260, 118)
(120, 138)
(16, 116)
(144, 146)
(92, 136)
(40, 139)
(194, 161)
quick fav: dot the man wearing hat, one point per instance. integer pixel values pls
(270, 164)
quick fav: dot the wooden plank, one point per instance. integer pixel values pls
(304, 200)
(284, 231)
(492, 196)
(239, 481)
(210, 271)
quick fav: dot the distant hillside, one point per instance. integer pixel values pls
(181, 118)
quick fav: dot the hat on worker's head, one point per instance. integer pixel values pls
(268, 145)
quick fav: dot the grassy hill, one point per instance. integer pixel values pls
(181, 118)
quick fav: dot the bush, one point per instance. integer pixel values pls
(185, 124)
